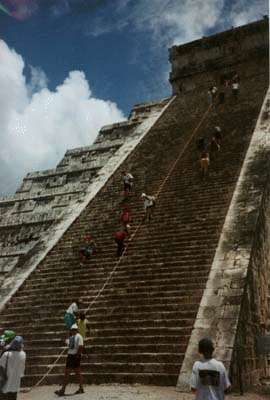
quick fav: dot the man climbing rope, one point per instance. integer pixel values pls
(214, 145)
(204, 163)
(235, 86)
(212, 93)
(202, 144)
(217, 134)
(149, 203)
(128, 182)
(120, 237)
(125, 218)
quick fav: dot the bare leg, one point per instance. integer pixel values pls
(65, 383)
(66, 378)
(79, 377)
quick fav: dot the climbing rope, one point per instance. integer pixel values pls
(50, 368)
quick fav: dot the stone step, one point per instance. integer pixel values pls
(112, 367)
(158, 379)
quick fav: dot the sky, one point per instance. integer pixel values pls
(69, 67)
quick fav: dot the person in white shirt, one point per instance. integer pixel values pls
(13, 360)
(235, 89)
(209, 378)
(128, 181)
(212, 93)
(149, 203)
(70, 314)
(235, 86)
(73, 362)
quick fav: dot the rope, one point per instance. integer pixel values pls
(130, 240)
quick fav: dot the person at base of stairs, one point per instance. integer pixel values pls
(5, 340)
(70, 314)
(13, 361)
(204, 163)
(149, 203)
(73, 362)
(119, 238)
(128, 182)
(209, 378)
(88, 248)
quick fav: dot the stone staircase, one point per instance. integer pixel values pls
(142, 320)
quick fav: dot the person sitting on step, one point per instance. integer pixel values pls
(149, 203)
(209, 379)
(88, 248)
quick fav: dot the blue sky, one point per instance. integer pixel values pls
(119, 52)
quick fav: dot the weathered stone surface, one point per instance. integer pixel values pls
(240, 274)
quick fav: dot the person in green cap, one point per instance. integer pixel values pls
(5, 340)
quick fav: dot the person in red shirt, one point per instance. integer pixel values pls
(125, 218)
(119, 238)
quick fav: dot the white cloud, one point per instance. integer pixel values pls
(175, 22)
(243, 11)
(38, 80)
(169, 21)
(37, 125)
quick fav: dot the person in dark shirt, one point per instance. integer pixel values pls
(88, 248)
(218, 134)
(202, 144)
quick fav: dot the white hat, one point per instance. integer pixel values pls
(74, 326)
(143, 195)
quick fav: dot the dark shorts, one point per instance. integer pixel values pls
(73, 361)
(127, 187)
(8, 396)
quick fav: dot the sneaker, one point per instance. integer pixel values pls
(79, 391)
(60, 392)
